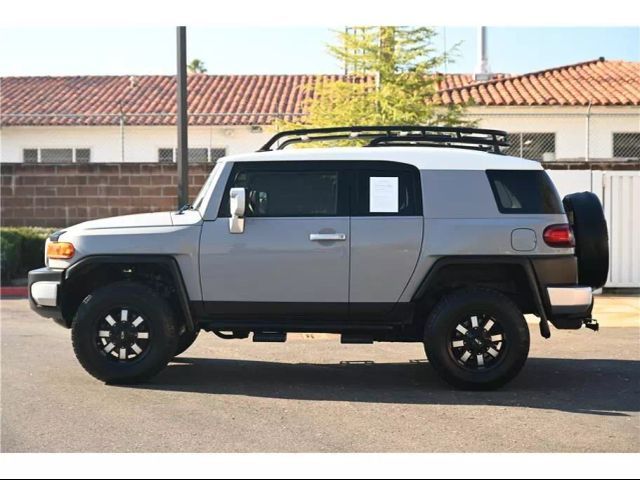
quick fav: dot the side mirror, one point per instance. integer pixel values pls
(237, 202)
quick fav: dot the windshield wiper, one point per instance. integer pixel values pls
(186, 206)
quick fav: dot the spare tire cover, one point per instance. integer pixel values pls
(592, 239)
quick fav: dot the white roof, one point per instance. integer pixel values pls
(424, 158)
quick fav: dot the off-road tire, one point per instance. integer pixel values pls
(163, 338)
(465, 303)
(185, 341)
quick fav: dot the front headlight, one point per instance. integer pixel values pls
(60, 250)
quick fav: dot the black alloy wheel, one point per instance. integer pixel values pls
(478, 342)
(123, 335)
(476, 338)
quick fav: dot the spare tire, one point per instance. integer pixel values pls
(592, 239)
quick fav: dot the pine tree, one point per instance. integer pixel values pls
(196, 66)
(391, 79)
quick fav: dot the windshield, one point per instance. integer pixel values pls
(206, 187)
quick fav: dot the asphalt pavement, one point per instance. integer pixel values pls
(579, 392)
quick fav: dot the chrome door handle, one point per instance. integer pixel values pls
(330, 237)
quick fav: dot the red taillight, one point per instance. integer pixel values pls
(559, 236)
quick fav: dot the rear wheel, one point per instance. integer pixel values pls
(124, 333)
(476, 339)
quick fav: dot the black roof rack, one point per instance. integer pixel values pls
(396, 135)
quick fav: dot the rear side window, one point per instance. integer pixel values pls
(524, 191)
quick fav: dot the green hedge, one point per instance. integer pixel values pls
(21, 250)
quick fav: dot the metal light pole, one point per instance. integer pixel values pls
(182, 120)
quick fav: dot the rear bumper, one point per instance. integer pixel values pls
(573, 300)
(567, 304)
(571, 307)
(44, 293)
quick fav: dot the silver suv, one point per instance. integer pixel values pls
(416, 234)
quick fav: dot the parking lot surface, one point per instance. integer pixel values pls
(579, 392)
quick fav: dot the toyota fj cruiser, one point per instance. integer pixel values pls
(416, 234)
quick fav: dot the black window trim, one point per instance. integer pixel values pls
(347, 180)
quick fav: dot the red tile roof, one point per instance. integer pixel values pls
(150, 99)
(100, 99)
(599, 82)
(261, 99)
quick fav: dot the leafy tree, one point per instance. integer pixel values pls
(196, 66)
(390, 79)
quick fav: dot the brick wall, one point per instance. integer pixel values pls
(62, 195)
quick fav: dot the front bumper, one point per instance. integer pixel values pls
(44, 293)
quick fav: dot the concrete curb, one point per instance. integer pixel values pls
(14, 292)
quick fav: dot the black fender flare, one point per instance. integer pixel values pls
(540, 297)
(86, 264)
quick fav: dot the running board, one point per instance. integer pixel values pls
(269, 337)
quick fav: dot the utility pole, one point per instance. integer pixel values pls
(182, 119)
(483, 72)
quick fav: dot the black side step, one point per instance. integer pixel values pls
(269, 337)
(356, 338)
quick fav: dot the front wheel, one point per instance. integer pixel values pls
(476, 339)
(185, 341)
(124, 333)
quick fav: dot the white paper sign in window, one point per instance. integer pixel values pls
(383, 194)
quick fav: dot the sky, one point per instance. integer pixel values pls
(286, 50)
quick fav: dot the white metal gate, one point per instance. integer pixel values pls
(621, 201)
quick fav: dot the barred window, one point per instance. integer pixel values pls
(626, 145)
(531, 146)
(216, 154)
(83, 155)
(30, 155)
(198, 155)
(56, 155)
(165, 155)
